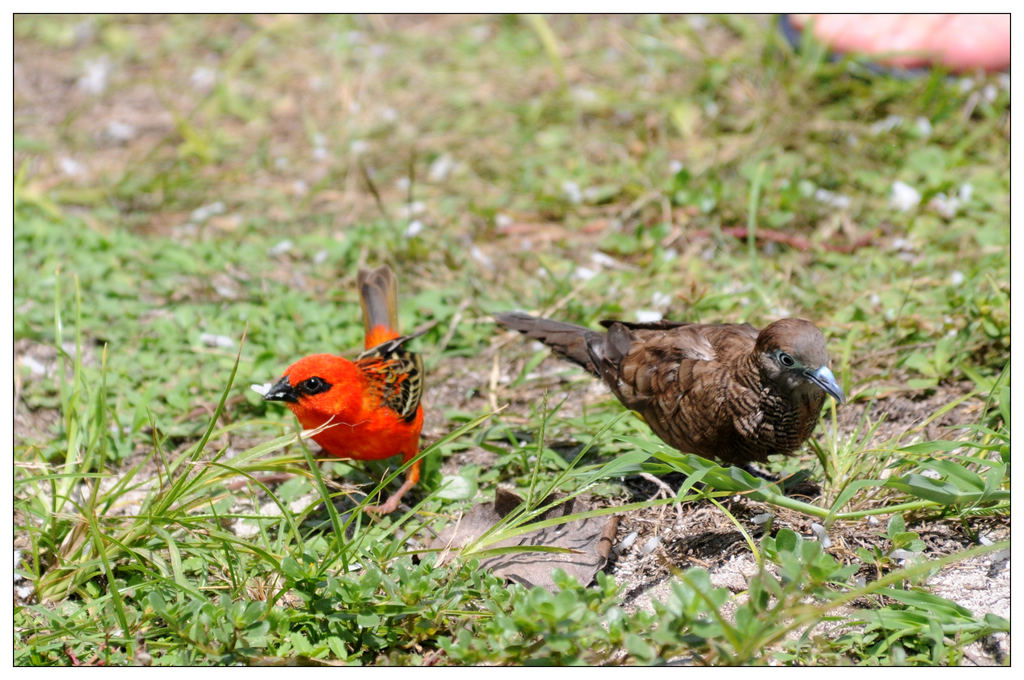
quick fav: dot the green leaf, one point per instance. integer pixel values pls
(456, 487)
(636, 646)
(291, 569)
(367, 620)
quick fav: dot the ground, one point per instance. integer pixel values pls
(202, 176)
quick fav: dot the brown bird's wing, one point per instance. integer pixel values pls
(681, 378)
(395, 374)
(639, 362)
(714, 332)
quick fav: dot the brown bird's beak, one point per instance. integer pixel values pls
(282, 390)
(824, 379)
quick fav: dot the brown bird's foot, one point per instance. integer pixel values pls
(799, 484)
(796, 484)
(756, 471)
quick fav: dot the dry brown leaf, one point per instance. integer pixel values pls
(589, 541)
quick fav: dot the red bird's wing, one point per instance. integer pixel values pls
(395, 375)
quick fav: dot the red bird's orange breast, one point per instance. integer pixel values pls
(376, 434)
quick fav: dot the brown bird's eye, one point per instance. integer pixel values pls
(314, 385)
(786, 360)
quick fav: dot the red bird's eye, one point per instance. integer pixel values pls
(314, 385)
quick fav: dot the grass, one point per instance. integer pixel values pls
(222, 177)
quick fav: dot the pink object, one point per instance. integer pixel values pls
(960, 42)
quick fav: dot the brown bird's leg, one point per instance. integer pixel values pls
(756, 471)
(797, 484)
(391, 504)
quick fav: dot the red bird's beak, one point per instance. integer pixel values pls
(282, 390)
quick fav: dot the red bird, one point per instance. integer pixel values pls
(372, 404)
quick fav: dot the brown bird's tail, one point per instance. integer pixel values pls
(575, 343)
(378, 295)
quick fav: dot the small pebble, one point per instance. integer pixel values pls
(203, 78)
(214, 340)
(414, 228)
(96, 76)
(584, 273)
(652, 543)
(822, 535)
(886, 124)
(225, 290)
(902, 244)
(281, 248)
(31, 364)
(70, 167)
(904, 196)
(603, 260)
(831, 198)
(482, 258)
(572, 191)
(901, 554)
(120, 132)
(245, 528)
(205, 212)
(584, 95)
(413, 208)
(441, 168)
(627, 542)
(762, 518)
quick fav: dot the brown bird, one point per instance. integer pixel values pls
(721, 391)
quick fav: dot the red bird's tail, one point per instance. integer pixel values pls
(378, 295)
